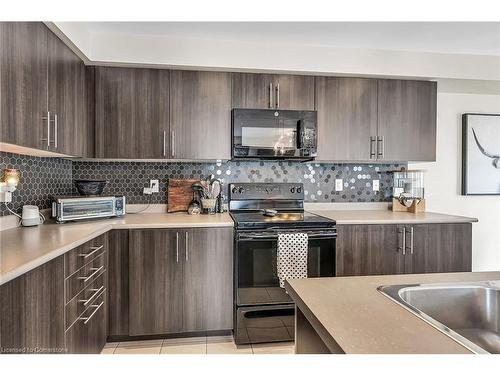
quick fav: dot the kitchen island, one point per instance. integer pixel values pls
(349, 315)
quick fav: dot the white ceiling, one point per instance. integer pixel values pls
(443, 37)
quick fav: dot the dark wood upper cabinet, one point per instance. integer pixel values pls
(208, 279)
(438, 248)
(406, 120)
(369, 250)
(131, 113)
(155, 284)
(23, 83)
(67, 98)
(278, 91)
(200, 115)
(347, 118)
(40, 75)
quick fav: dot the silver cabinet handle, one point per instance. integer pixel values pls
(380, 149)
(96, 271)
(96, 293)
(55, 130)
(404, 241)
(270, 95)
(411, 240)
(373, 155)
(164, 143)
(277, 95)
(187, 246)
(48, 130)
(94, 249)
(172, 143)
(177, 247)
(87, 319)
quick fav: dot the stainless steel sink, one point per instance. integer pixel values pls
(467, 312)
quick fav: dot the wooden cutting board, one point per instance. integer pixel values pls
(179, 194)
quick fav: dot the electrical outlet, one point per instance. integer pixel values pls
(339, 185)
(154, 185)
(376, 185)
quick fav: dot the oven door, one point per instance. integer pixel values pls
(257, 280)
(274, 134)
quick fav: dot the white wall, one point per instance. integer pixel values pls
(443, 178)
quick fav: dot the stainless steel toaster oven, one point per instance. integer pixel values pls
(80, 208)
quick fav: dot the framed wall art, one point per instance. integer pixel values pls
(480, 154)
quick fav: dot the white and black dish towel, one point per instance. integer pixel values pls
(292, 256)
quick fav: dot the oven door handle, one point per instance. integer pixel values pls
(267, 236)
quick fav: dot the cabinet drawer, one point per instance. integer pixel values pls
(84, 299)
(85, 276)
(88, 334)
(83, 254)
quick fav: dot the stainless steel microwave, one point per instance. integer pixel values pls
(274, 134)
(91, 207)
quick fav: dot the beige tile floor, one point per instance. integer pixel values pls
(196, 345)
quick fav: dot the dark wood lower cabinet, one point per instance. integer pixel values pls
(208, 279)
(88, 334)
(155, 294)
(438, 248)
(181, 280)
(118, 283)
(394, 249)
(32, 311)
(368, 250)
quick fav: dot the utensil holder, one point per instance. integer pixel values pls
(208, 205)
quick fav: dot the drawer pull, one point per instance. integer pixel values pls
(97, 291)
(94, 249)
(96, 271)
(87, 319)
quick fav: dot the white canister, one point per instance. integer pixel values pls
(30, 216)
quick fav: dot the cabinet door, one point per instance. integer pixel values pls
(118, 283)
(32, 311)
(438, 248)
(369, 250)
(295, 92)
(208, 279)
(23, 83)
(200, 117)
(131, 113)
(66, 94)
(407, 120)
(261, 91)
(88, 334)
(253, 91)
(155, 289)
(347, 118)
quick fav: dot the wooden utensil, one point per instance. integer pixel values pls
(179, 194)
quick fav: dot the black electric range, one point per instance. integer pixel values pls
(263, 312)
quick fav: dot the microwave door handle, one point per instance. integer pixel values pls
(300, 126)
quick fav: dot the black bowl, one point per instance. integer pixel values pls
(90, 187)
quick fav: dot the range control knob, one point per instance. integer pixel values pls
(299, 190)
(292, 189)
(241, 190)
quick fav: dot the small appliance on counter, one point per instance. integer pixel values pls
(87, 207)
(408, 191)
(31, 216)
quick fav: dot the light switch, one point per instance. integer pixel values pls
(339, 186)
(376, 185)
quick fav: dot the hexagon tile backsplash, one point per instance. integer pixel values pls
(42, 177)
